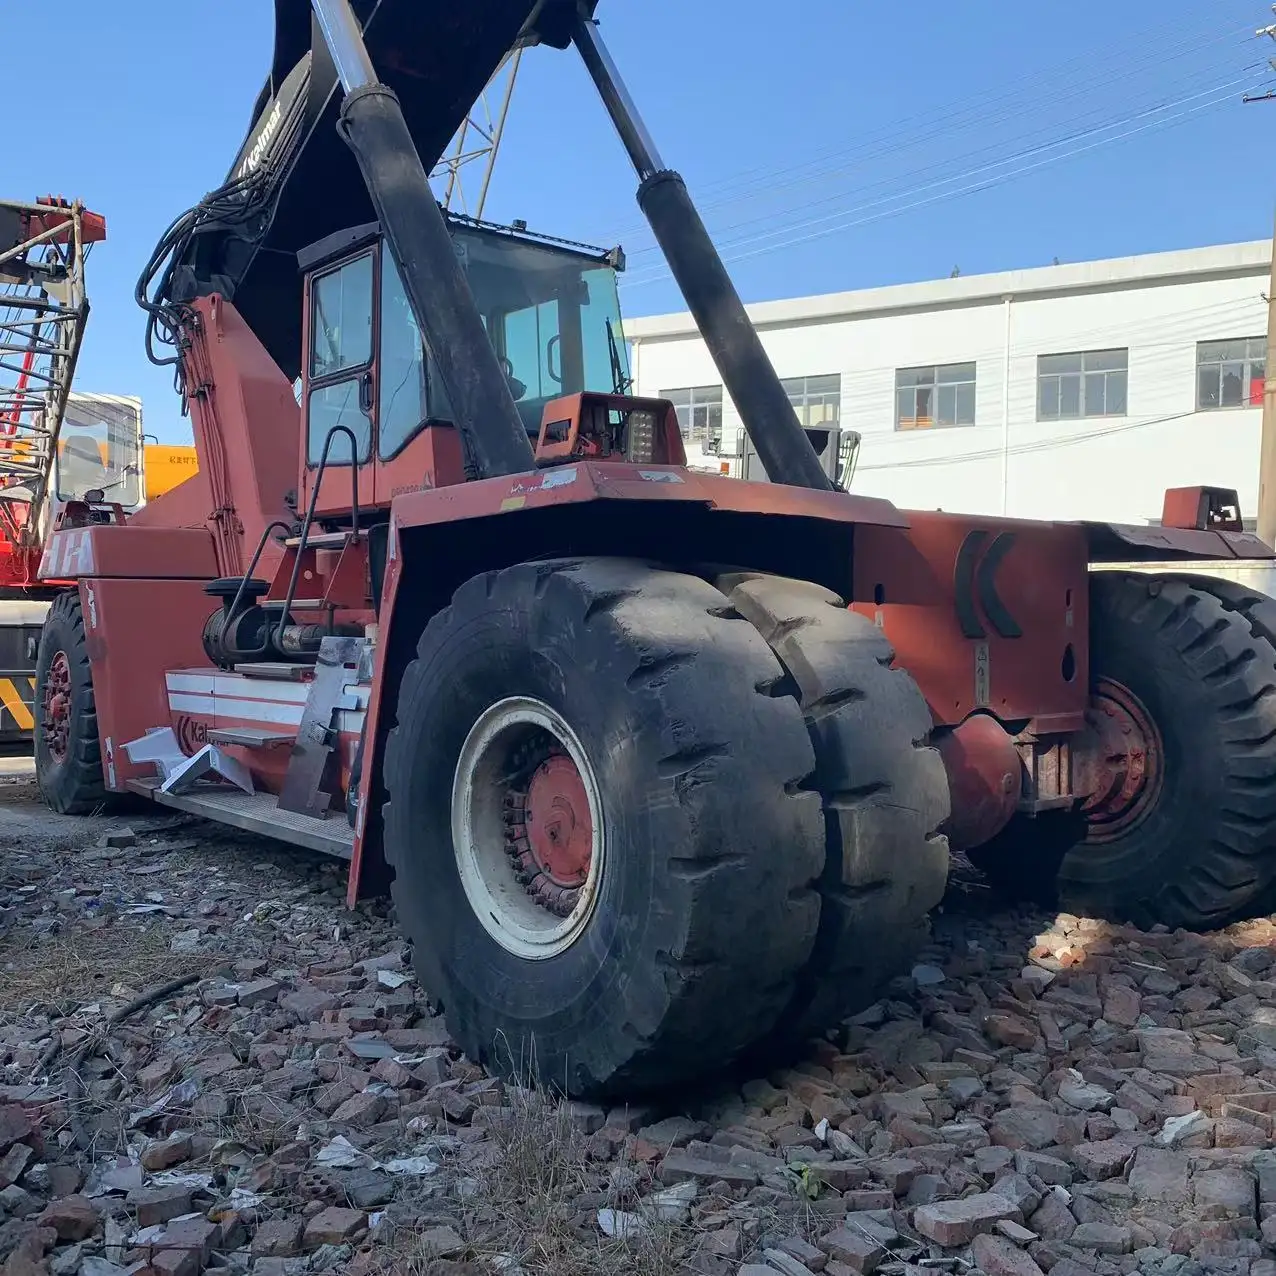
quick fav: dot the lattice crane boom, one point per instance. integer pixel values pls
(44, 309)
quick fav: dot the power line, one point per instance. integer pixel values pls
(1058, 84)
(999, 179)
(990, 454)
(1032, 145)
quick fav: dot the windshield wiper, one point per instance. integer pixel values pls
(620, 382)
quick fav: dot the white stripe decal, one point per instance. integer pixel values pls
(190, 682)
(180, 702)
(229, 684)
(225, 699)
(220, 709)
(217, 711)
(69, 553)
(257, 711)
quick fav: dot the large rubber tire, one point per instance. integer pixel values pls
(1207, 675)
(883, 789)
(706, 912)
(1258, 609)
(73, 784)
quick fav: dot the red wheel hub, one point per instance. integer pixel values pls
(550, 833)
(559, 827)
(56, 702)
(1119, 764)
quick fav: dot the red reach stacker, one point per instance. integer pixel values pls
(662, 767)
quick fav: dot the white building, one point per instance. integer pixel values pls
(1075, 391)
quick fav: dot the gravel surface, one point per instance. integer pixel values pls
(1042, 1093)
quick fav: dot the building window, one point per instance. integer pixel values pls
(816, 400)
(1093, 383)
(1231, 374)
(929, 397)
(699, 412)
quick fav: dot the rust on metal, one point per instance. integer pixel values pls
(1118, 763)
(56, 698)
(549, 832)
(559, 827)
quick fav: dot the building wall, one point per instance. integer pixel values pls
(1117, 467)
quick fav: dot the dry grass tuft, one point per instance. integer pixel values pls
(542, 1193)
(532, 1207)
(78, 964)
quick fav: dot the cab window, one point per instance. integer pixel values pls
(532, 350)
(340, 355)
(331, 406)
(401, 373)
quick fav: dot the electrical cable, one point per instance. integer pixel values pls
(660, 274)
(1031, 145)
(1060, 84)
(1022, 449)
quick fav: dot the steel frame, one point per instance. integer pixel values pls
(44, 309)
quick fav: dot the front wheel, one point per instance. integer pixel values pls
(604, 853)
(1180, 824)
(68, 754)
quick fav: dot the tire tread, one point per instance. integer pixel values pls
(76, 787)
(883, 789)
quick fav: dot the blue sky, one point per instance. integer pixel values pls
(844, 149)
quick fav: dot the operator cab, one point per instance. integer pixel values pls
(552, 313)
(97, 474)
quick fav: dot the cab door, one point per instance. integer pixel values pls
(339, 383)
(408, 458)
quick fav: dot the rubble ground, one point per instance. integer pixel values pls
(1041, 1094)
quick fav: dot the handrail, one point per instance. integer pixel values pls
(310, 514)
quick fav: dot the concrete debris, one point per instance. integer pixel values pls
(1039, 1093)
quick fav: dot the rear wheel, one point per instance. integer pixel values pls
(603, 850)
(68, 754)
(1180, 827)
(883, 789)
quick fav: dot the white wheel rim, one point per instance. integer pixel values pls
(516, 921)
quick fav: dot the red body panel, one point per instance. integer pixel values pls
(201, 699)
(931, 596)
(246, 425)
(585, 481)
(126, 550)
(378, 723)
(135, 631)
(92, 225)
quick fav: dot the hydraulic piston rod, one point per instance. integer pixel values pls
(764, 407)
(373, 126)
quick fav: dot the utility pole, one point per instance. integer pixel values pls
(1267, 447)
(1270, 33)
